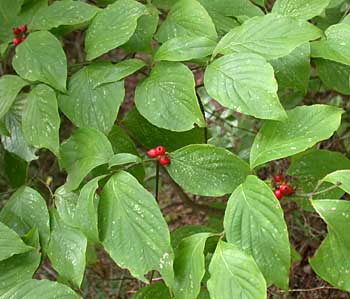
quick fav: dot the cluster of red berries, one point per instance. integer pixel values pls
(20, 34)
(283, 188)
(160, 153)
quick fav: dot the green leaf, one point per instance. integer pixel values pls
(82, 152)
(254, 222)
(8, 18)
(234, 274)
(153, 291)
(26, 209)
(121, 142)
(43, 289)
(186, 231)
(133, 230)
(67, 249)
(167, 98)
(41, 58)
(3, 129)
(189, 266)
(141, 41)
(334, 75)
(16, 143)
(67, 12)
(121, 20)
(187, 18)
(271, 36)
(29, 10)
(334, 249)
(65, 203)
(293, 70)
(103, 72)
(151, 136)
(123, 158)
(17, 269)
(336, 45)
(88, 104)
(41, 120)
(207, 170)
(85, 216)
(245, 83)
(305, 126)
(224, 13)
(340, 176)
(11, 243)
(313, 166)
(304, 10)
(16, 170)
(10, 86)
(185, 48)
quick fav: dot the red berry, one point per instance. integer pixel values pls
(152, 153)
(160, 150)
(164, 160)
(17, 40)
(23, 28)
(278, 193)
(278, 178)
(16, 31)
(286, 189)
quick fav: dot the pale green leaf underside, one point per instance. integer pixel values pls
(167, 98)
(254, 222)
(185, 48)
(189, 266)
(88, 104)
(271, 36)
(341, 177)
(41, 58)
(11, 243)
(187, 18)
(10, 86)
(121, 20)
(45, 289)
(336, 46)
(234, 274)
(41, 120)
(86, 149)
(306, 125)
(300, 9)
(245, 83)
(67, 12)
(207, 170)
(332, 259)
(132, 228)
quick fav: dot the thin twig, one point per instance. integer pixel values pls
(308, 290)
(318, 192)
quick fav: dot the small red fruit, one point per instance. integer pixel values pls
(16, 31)
(17, 40)
(278, 178)
(23, 28)
(160, 150)
(164, 160)
(286, 189)
(152, 153)
(278, 193)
